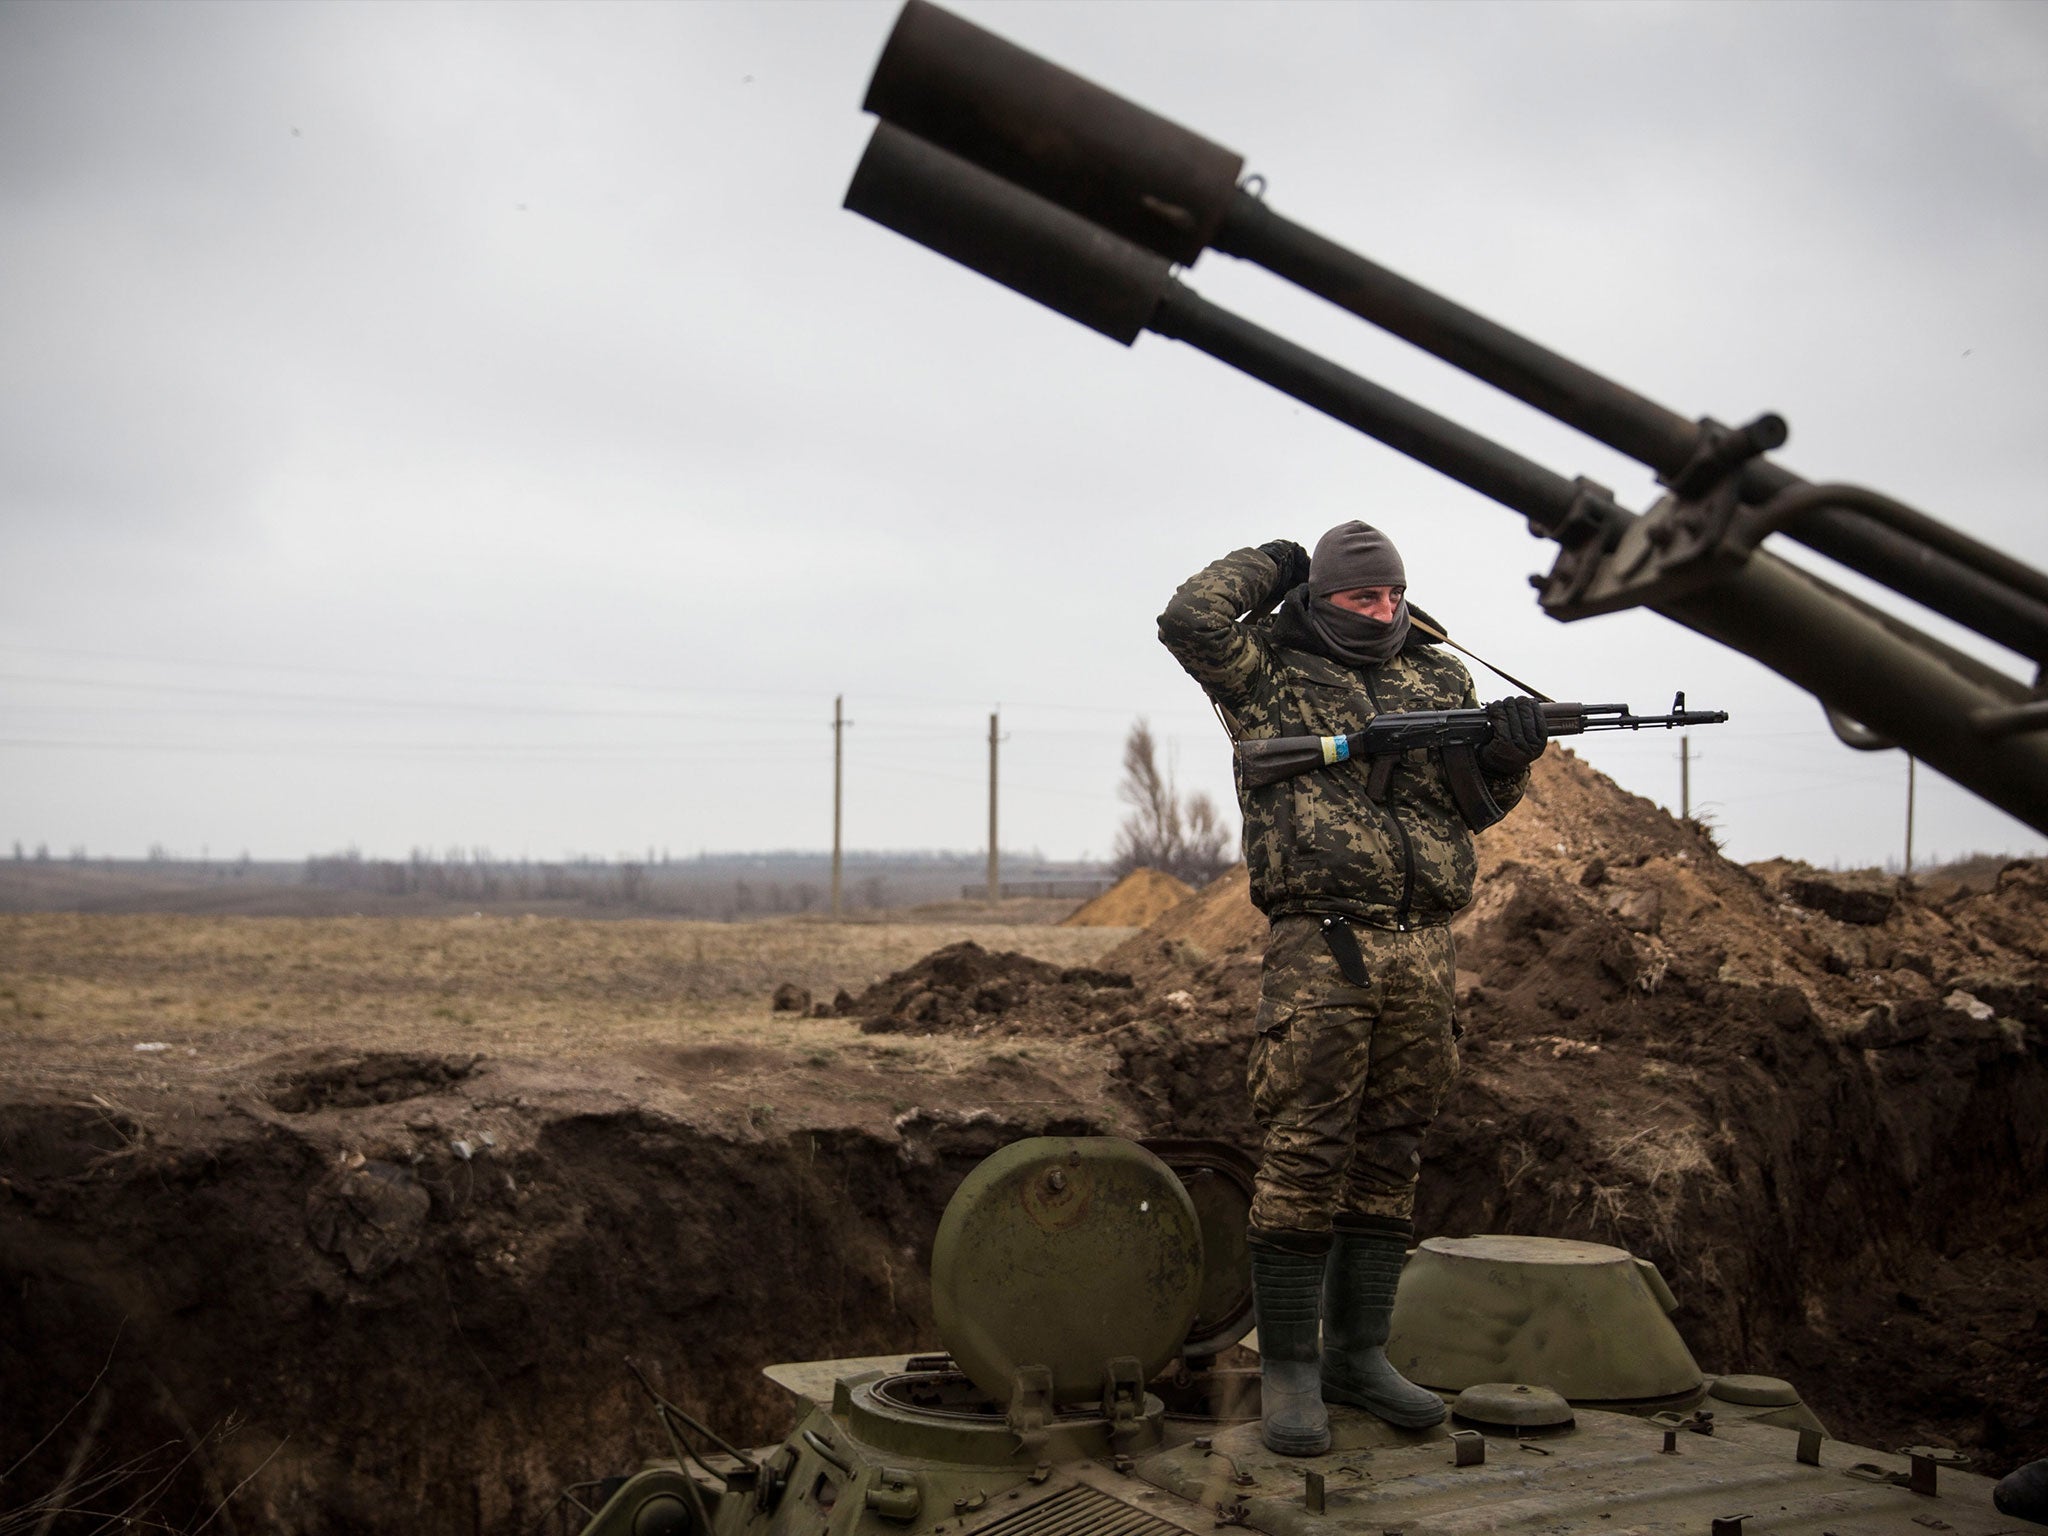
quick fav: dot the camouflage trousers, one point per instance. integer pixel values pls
(1346, 1079)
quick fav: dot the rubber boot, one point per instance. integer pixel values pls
(1287, 1294)
(2024, 1494)
(1358, 1308)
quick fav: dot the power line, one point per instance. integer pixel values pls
(1067, 706)
(525, 752)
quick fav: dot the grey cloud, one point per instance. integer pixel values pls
(544, 350)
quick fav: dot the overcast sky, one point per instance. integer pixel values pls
(430, 425)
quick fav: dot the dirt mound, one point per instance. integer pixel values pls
(1140, 897)
(1220, 920)
(965, 989)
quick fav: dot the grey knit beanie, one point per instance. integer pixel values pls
(1354, 555)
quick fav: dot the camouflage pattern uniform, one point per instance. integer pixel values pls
(1344, 1079)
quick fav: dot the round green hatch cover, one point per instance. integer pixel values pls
(1067, 1253)
(1754, 1391)
(1219, 1179)
(1512, 1405)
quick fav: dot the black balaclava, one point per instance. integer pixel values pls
(1355, 555)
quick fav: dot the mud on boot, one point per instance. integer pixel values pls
(1287, 1292)
(1363, 1270)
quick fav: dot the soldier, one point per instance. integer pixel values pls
(1354, 1052)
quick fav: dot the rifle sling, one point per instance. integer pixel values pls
(1436, 634)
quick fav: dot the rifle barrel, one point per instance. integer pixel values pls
(1050, 131)
(1007, 233)
(1114, 286)
(1539, 494)
(1955, 575)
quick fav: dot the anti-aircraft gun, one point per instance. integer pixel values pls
(1086, 202)
(1089, 1291)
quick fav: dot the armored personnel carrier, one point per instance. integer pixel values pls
(1092, 1295)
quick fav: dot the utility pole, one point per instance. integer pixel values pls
(1685, 776)
(839, 725)
(1909, 813)
(995, 889)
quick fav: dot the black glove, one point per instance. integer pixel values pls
(1292, 560)
(1518, 736)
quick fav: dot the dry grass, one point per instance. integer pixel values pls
(1661, 1157)
(80, 991)
(1657, 1162)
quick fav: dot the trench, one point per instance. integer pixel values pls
(444, 1346)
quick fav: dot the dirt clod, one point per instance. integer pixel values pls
(371, 1217)
(376, 1078)
(1865, 900)
(964, 988)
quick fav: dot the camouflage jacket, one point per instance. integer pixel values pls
(1319, 842)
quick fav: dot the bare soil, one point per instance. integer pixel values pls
(1141, 897)
(376, 1222)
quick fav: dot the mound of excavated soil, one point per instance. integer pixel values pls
(1819, 1102)
(1140, 897)
(964, 988)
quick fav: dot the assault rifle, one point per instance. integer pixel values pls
(1457, 733)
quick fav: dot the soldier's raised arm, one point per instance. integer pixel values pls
(1204, 625)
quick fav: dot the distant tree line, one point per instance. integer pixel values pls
(711, 887)
(477, 876)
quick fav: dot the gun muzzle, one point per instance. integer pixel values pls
(1007, 233)
(1065, 138)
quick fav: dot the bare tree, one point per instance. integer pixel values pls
(1206, 850)
(1187, 839)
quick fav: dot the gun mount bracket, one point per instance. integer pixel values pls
(1123, 1397)
(1723, 452)
(1690, 539)
(1587, 533)
(1030, 1407)
(775, 1475)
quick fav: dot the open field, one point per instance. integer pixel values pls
(709, 888)
(78, 992)
(242, 1014)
